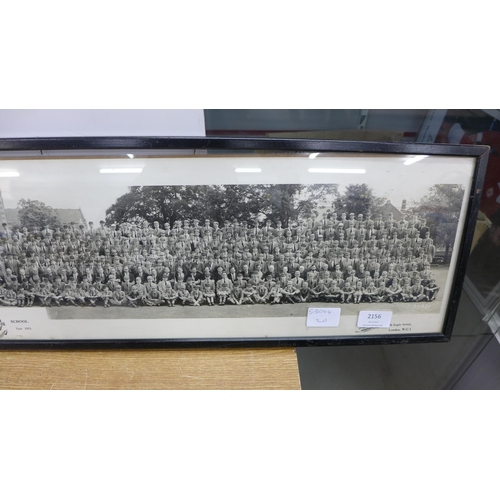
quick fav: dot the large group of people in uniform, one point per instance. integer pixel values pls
(334, 258)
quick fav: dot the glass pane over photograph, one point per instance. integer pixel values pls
(229, 245)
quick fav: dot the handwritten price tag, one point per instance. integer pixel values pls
(374, 319)
(323, 317)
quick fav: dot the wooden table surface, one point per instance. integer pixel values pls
(150, 369)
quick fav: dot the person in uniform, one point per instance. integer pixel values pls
(289, 293)
(118, 297)
(183, 294)
(418, 291)
(358, 293)
(236, 295)
(169, 295)
(8, 297)
(383, 293)
(92, 295)
(69, 295)
(394, 291)
(371, 292)
(431, 290)
(347, 293)
(138, 292)
(275, 294)
(208, 289)
(304, 294)
(223, 291)
(29, 294)
(197, 296)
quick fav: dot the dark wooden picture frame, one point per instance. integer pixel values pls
(443, 161)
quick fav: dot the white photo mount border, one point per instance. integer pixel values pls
(274, 331)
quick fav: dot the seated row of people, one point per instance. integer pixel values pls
(207, 292)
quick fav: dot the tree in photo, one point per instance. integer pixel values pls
(441, 209)
(164, 204)
(228, 202)
(359, 199)
(36, 214)
(317, 196)
(280, 202)
(167, 204)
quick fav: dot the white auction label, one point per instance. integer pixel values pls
(323, 316)
(374, 319)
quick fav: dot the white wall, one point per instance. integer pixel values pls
(99, 122)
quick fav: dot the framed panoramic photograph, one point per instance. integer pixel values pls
(232, 241)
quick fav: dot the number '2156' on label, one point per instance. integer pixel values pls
(374, 319)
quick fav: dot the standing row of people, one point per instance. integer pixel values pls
(340, 259)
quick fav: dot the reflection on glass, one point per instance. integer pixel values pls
(337, 170)
(120, 170)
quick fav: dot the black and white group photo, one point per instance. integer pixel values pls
(245, 247)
